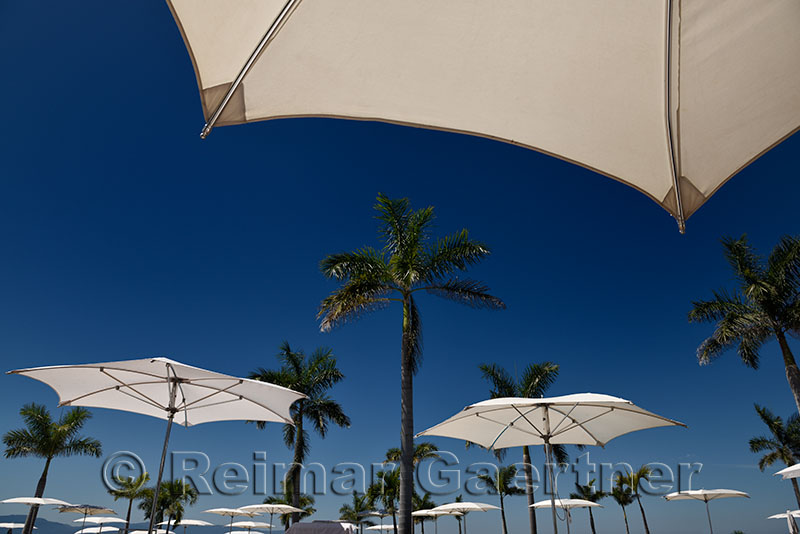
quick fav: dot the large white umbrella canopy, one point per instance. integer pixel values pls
(672, 98)
(271, 509)
(566, 504)
(13, 525)
(155, 531)
(578, 419)
(789, 517)
(705, 496)
(97, 530)
(232, 512)
(381, 527)
(35, 501)
(251, 524)
(162, 388)
(86, 510)
(187, 523)
(100, 520)
(789, 472)
(435, 515)
(464, 508)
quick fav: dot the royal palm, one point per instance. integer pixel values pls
(409, 261)
(502, 484)
(354, 512)
(764, 305)
(314, 376)
(589, 493)
(623, 497)
(782, 446)
(130, 489)
(536, 379)
(173, 497)
(633, 481)
(46, 438)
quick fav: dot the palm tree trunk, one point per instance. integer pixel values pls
(422, 526)
(591, 521)
(34, 511)
(394, 522)
(503, 514)
(128, 517)
(792, 371)
(644, 518)
(625, 517)
(526, 468)
(296, 464)
(796, 491)
(406, 422)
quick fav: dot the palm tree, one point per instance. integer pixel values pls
(502, 483)
(353, 512)
(766, 304)
(783, 446)
(173, 496)
(588, 493)
(424, 502)
(312, 375)
(632, 480)
(132, 489)
(535, 381)
(45, 438)
(623, 496)
(305, 503)
(422, 451)
(386, 491)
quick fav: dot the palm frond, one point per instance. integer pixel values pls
(363, 263)
(349, 302)
(746, 264)
(455, 252)
(537, 379)
(503, 384)
(469, 292)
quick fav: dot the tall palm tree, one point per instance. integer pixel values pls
(765, 305)
(632, 480)
(386, 491)
(305, 503)
(502, 483)
(422, 451)
(535, 381)
(783, 446)
(46, 438)
(408, 263)
(132, 489)
(353, 512)
(624, 497)
(588, 493)
(173, 497)
(314, 376)
(422, 502)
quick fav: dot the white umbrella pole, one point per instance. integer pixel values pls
(708, 513)
(270, 521)
(465, 522)
(154, 509)
(548, 449)
(568, 519)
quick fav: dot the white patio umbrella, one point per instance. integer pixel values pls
(100, 520)
(86, 510)
(381, 527)
(250, 525)
(792, 471)
(162, 388)
(566, 505)
(12, 525)
(97, 530)
(579, 419)
(435, 515)
(155, 531)
(232, 512)
(34, 501)
(669, 97)
(705, 496)
(464, 508)
(271, 509)
(248, 531)
(789, 516)
(189, 523)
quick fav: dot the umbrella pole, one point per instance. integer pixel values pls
(270, 521)
(708, 513)
(548, 450)
(171, 416)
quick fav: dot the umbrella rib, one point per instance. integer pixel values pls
(526, 419)
(553, 431)
(123, 384)
(576, 424)
(506, 426)
(216, 392)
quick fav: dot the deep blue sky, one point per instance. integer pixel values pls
(125, 236)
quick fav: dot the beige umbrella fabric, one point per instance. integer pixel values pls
(671, 97)
(705, 496)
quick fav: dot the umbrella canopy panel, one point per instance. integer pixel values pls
(670, 97)
(705, 495)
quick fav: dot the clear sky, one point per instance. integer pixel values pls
(125, 236)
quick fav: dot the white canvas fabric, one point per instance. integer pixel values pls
(566, 504)
(35, 501)
(141, 386)
(654, 94)
(579, 419)
(704, 495)
(789, 472)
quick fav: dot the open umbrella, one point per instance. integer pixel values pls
(566, 505)
(435, 515)
(381, 527)
(155, 531)
(579, 419)
(231, 512)
(271, 509)
(13, 525)
(163, 388)
(250, 525)
(34, 501)
(792, 471)
(464, 508)
(188, 523)
(705, 496)
(100, 520)
(96, 530)
(672, 98)
(789, 516)
(86, 510)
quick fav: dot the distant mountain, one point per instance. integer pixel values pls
(43, 526)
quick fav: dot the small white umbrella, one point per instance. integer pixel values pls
(86, 510)
(163, 388)
(381, 527)
(12, 525)
(705, 496)
(250, 525)
(579, 419)
(188, 523)
(248, 531)
(435, 515)
(96, 530)
(34, 501)
(566, 505)
(789, 515)
(155, 531)
(271, 509)
(464, 508)
(789, 472)
(100, 520)
(232, 512)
